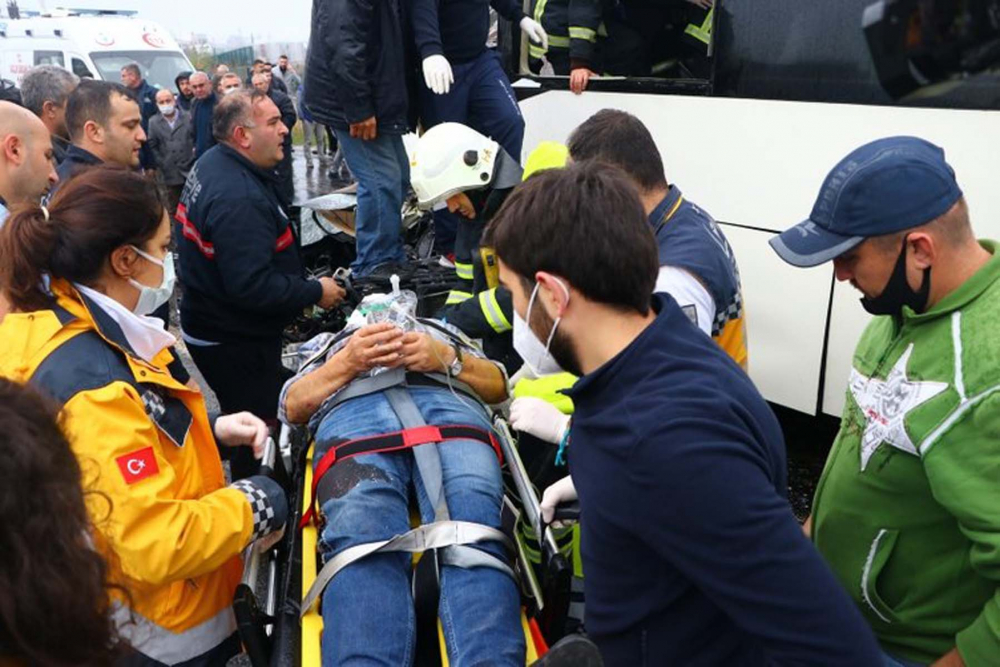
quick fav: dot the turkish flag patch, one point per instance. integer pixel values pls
(138, 465)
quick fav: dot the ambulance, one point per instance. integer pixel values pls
(93, 45)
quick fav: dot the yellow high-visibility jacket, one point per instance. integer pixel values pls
(171, 530)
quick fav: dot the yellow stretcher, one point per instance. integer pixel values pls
(270, 627)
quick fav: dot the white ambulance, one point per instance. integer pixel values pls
(92, 45)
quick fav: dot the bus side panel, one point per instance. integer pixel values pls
(785, 310)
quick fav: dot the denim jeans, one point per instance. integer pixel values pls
(368, 612)
(382, 170)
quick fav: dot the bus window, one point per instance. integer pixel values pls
(49, 58)
(81, 70)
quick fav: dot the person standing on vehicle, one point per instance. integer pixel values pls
(167, 524)
(464, 80)
(145, 95)
(906, 510)
(243, 277)
(697, 265)
(45, 90)
(691, 551)
(357, 84)
(201, 113)
(172, 146)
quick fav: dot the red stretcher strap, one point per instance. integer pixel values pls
(393, 442)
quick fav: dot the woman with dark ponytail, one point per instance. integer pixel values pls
(80, 279)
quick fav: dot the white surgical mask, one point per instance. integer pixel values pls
(151, 298)
(230, 91)
(536, 356)
(167, 109)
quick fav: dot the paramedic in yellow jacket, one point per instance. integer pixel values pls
(81, 277)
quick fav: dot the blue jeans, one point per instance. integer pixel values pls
(383, 174)
(368, 612)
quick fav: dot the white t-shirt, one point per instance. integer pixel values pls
(690, 295)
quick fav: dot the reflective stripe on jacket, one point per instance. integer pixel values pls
(172, 532)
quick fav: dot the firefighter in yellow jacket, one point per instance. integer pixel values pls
(81, 277)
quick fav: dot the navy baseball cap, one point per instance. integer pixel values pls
(883, 187)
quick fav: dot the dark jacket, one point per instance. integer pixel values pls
(184, 102)
(145, 94)
(243, 277)
(286, 184)
(59, 148)
(458, 29)
(173, 149)
(356, 67)
(692, 553)
(201, 124)
(571, 25)
(75, 160)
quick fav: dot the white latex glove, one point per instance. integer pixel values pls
(242, 428)
(438, 75)
(535, 31)
(539, 418)
(561, 492)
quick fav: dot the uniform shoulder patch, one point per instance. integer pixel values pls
(137, 466)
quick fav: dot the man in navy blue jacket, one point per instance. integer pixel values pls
(691, 552)
(243, 278)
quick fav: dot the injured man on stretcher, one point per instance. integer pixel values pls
(396, 408)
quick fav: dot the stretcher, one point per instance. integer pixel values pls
(268, 601)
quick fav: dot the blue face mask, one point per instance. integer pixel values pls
(151, 298)
(536, 356)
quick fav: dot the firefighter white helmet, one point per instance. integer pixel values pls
(450, 158)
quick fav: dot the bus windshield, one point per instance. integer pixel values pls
(159, 68)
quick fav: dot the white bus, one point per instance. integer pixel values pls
(91, 45)
(793, 91)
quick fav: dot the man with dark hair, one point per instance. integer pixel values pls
(104, 125)
(201, 113)
(697, 266)
(185, 96)
(287, 75)
(243, 277)
(44, 91)
(906, 510)
(692, 553)
(145, 95)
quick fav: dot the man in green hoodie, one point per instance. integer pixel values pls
(907, 512)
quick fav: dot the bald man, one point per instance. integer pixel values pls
(27, 171)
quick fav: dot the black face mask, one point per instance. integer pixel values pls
(898, 293)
